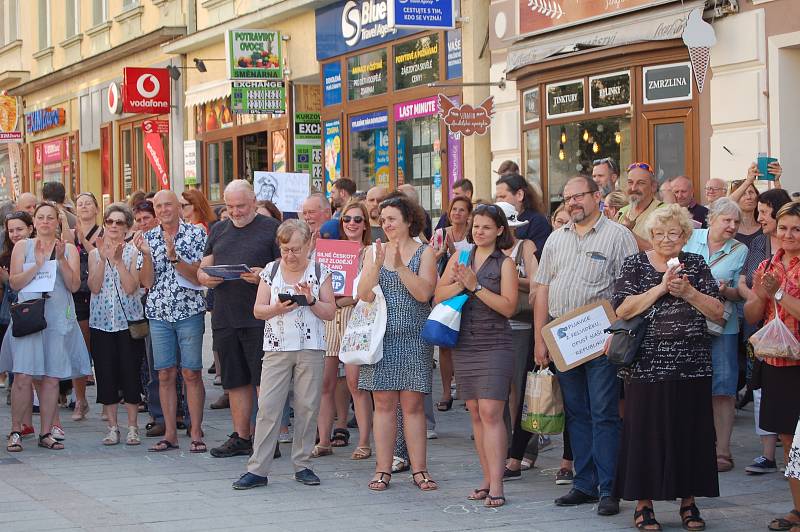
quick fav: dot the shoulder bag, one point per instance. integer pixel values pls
(362, 341)
(27, 317)
(524, 311)
(626, 338)
(715, 328)
(138, 329)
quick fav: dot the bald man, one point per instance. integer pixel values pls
(375, 196)
(171, 254)
(27, 202)
(715, 189)
(683, 190)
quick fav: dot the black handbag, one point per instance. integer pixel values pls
(626, 338)
(138, 329)
(27, 317)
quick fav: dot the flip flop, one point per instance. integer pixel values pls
(163, 445)
(478, 494)
(198, 446)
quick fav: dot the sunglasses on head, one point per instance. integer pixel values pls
(643, 166)
(118, 223)
(483, 207)
(17, 215)
(356, 219)
(391, 202)
(607, 160)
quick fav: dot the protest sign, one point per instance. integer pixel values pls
(287, 191)
(578, 336)
(341, 257)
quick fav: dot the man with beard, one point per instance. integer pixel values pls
(341, 192)
(605, 173)
(580, 264)
(642, 188)
(316, 211)
(375, 196)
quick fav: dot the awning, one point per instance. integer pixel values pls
(207, 92)
(653, 25)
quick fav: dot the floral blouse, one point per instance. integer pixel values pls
(111, 308)
(301, 328)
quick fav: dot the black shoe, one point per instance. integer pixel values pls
(212, 369)
(277, 453)
(508, 474)
(574, 498)
(608, 506)
(248, 481)
(352, 424)
(235, 446)
(35, 409)
(747, 397)
(307, 477)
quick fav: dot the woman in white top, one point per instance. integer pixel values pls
(447, 241)
(114, 284)
(294, 299)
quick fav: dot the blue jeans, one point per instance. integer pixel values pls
(183, 336)
(591, 401)
(154, 394)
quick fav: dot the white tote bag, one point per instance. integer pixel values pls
(362, 341)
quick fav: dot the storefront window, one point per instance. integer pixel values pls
(127, 163)
(369, 150)
(572, 147)
(533, 157)
(670, 150)
(212, 171)
(419, 162)
(217, 115)
(279, 151)
(254, 154)
(366, 75)
(416, 62)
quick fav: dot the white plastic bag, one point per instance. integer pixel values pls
(362, 341)
(775, 340)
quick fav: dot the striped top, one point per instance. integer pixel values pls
(583, 269)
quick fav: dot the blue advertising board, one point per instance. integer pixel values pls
(423, 14)
(332, 83)
(347, 26)
(369, 121)
(454, 54)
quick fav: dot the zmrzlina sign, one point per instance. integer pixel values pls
(146, 90)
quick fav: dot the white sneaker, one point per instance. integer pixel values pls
(431, 435)
(285, 437)
(112, 438)
(57, 433)
(133, 436)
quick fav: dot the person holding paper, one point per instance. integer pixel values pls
(170, 257)
(579, 265)
(58, 352)
(484, 357)
(245, 238)
(114, 282)
(667, 450)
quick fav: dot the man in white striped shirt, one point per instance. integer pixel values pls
(580, 264)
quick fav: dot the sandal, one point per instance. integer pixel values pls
(321, 450)
(53, 444)
(198, 446)
(494, 502)
(163, 445)
(444, 406)
(429, 483)
(478, 494)
(341, 438)
(724, 463)
(361, 453)
(14, 444)
(648, 519)
(399, 465)
(781, 523)
(693, 516)
(378, 484)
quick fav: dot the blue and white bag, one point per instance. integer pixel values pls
(444, 322)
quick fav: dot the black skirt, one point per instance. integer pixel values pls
(667, 450)
(780, 408)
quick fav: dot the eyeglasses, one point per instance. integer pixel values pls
(293, 251)
(607, 160)
(643, 166)
(672, 236)
(578, 197)
(712, 189)
(118, 223)
(184, 205)
(356, 219)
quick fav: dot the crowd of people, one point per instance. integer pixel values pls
(123, 307)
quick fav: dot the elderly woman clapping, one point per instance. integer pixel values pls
(667, 449)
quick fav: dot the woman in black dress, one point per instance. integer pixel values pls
(668, 449)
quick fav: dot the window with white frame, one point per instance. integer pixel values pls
(44, 24)
(127, 4)
(9, 17)
(99, 12)
(73, 21)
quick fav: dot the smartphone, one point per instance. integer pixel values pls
(299, 300)
(763, 162)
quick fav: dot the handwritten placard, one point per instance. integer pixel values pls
(578, 336)
(341, 257)
(45, 278)
(287, 191)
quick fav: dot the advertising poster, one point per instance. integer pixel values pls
(308, 147)
(333, 153)
(416, 62)
(190, 166)
(254, 54)
(454, 54)
(258, 97)
(9, 117)
(15, 169)
(381, 157)
(332, 88)
(287, 191)
(341, 257)
(366, 75)
(428, 14)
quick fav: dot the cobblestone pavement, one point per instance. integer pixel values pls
(91, 487)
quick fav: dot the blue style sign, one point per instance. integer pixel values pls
(332, 83)
(454, 54)
(367, 121)
(424, 14)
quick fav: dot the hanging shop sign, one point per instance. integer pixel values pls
(308, 147)
(254, 54)
(156, 126)
(366, 75)
(258, 97)
(191, 163)
(455, 148)
(344, 27)
(609, 91)
(464, 118)
(9, 118)
(44, 119)
(538, 16)
(333, 153)
(332, 83)
(146, 90)
(15, 167)
(114, 98)
(416, 62)
(454, 54)
(667, 83)
(425, 14)
(154, 148)
(565, 99)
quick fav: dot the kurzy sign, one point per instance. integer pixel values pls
(254, 54)
(146, 90)
(341, 257)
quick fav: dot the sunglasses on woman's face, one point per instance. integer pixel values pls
(356, 219)
(118, 223)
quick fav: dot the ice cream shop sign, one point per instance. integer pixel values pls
(44, 119)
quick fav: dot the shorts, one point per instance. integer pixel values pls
(240, 352)
(334, 330)
(186, 334)
(81, 300)
(725, 364)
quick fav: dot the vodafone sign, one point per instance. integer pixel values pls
(114, 99)
(146, 90)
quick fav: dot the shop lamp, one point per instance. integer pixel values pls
(618, 137)
(174, 72)
(561, 154)
(201, 65)
(595, 148)
(563, 136)
(586, 135)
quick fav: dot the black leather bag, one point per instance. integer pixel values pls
(27, 317)
(626, 338)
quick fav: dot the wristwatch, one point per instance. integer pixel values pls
(313, 302)
(176, 260)
(779, 295)
(478, 288)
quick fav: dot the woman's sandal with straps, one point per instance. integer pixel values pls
(693, 516)
(648, 521)
(52, 444)
(379, 484)
(428, 482)
(478, 494)
(14, 444)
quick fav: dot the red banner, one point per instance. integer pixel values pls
(154, 149)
